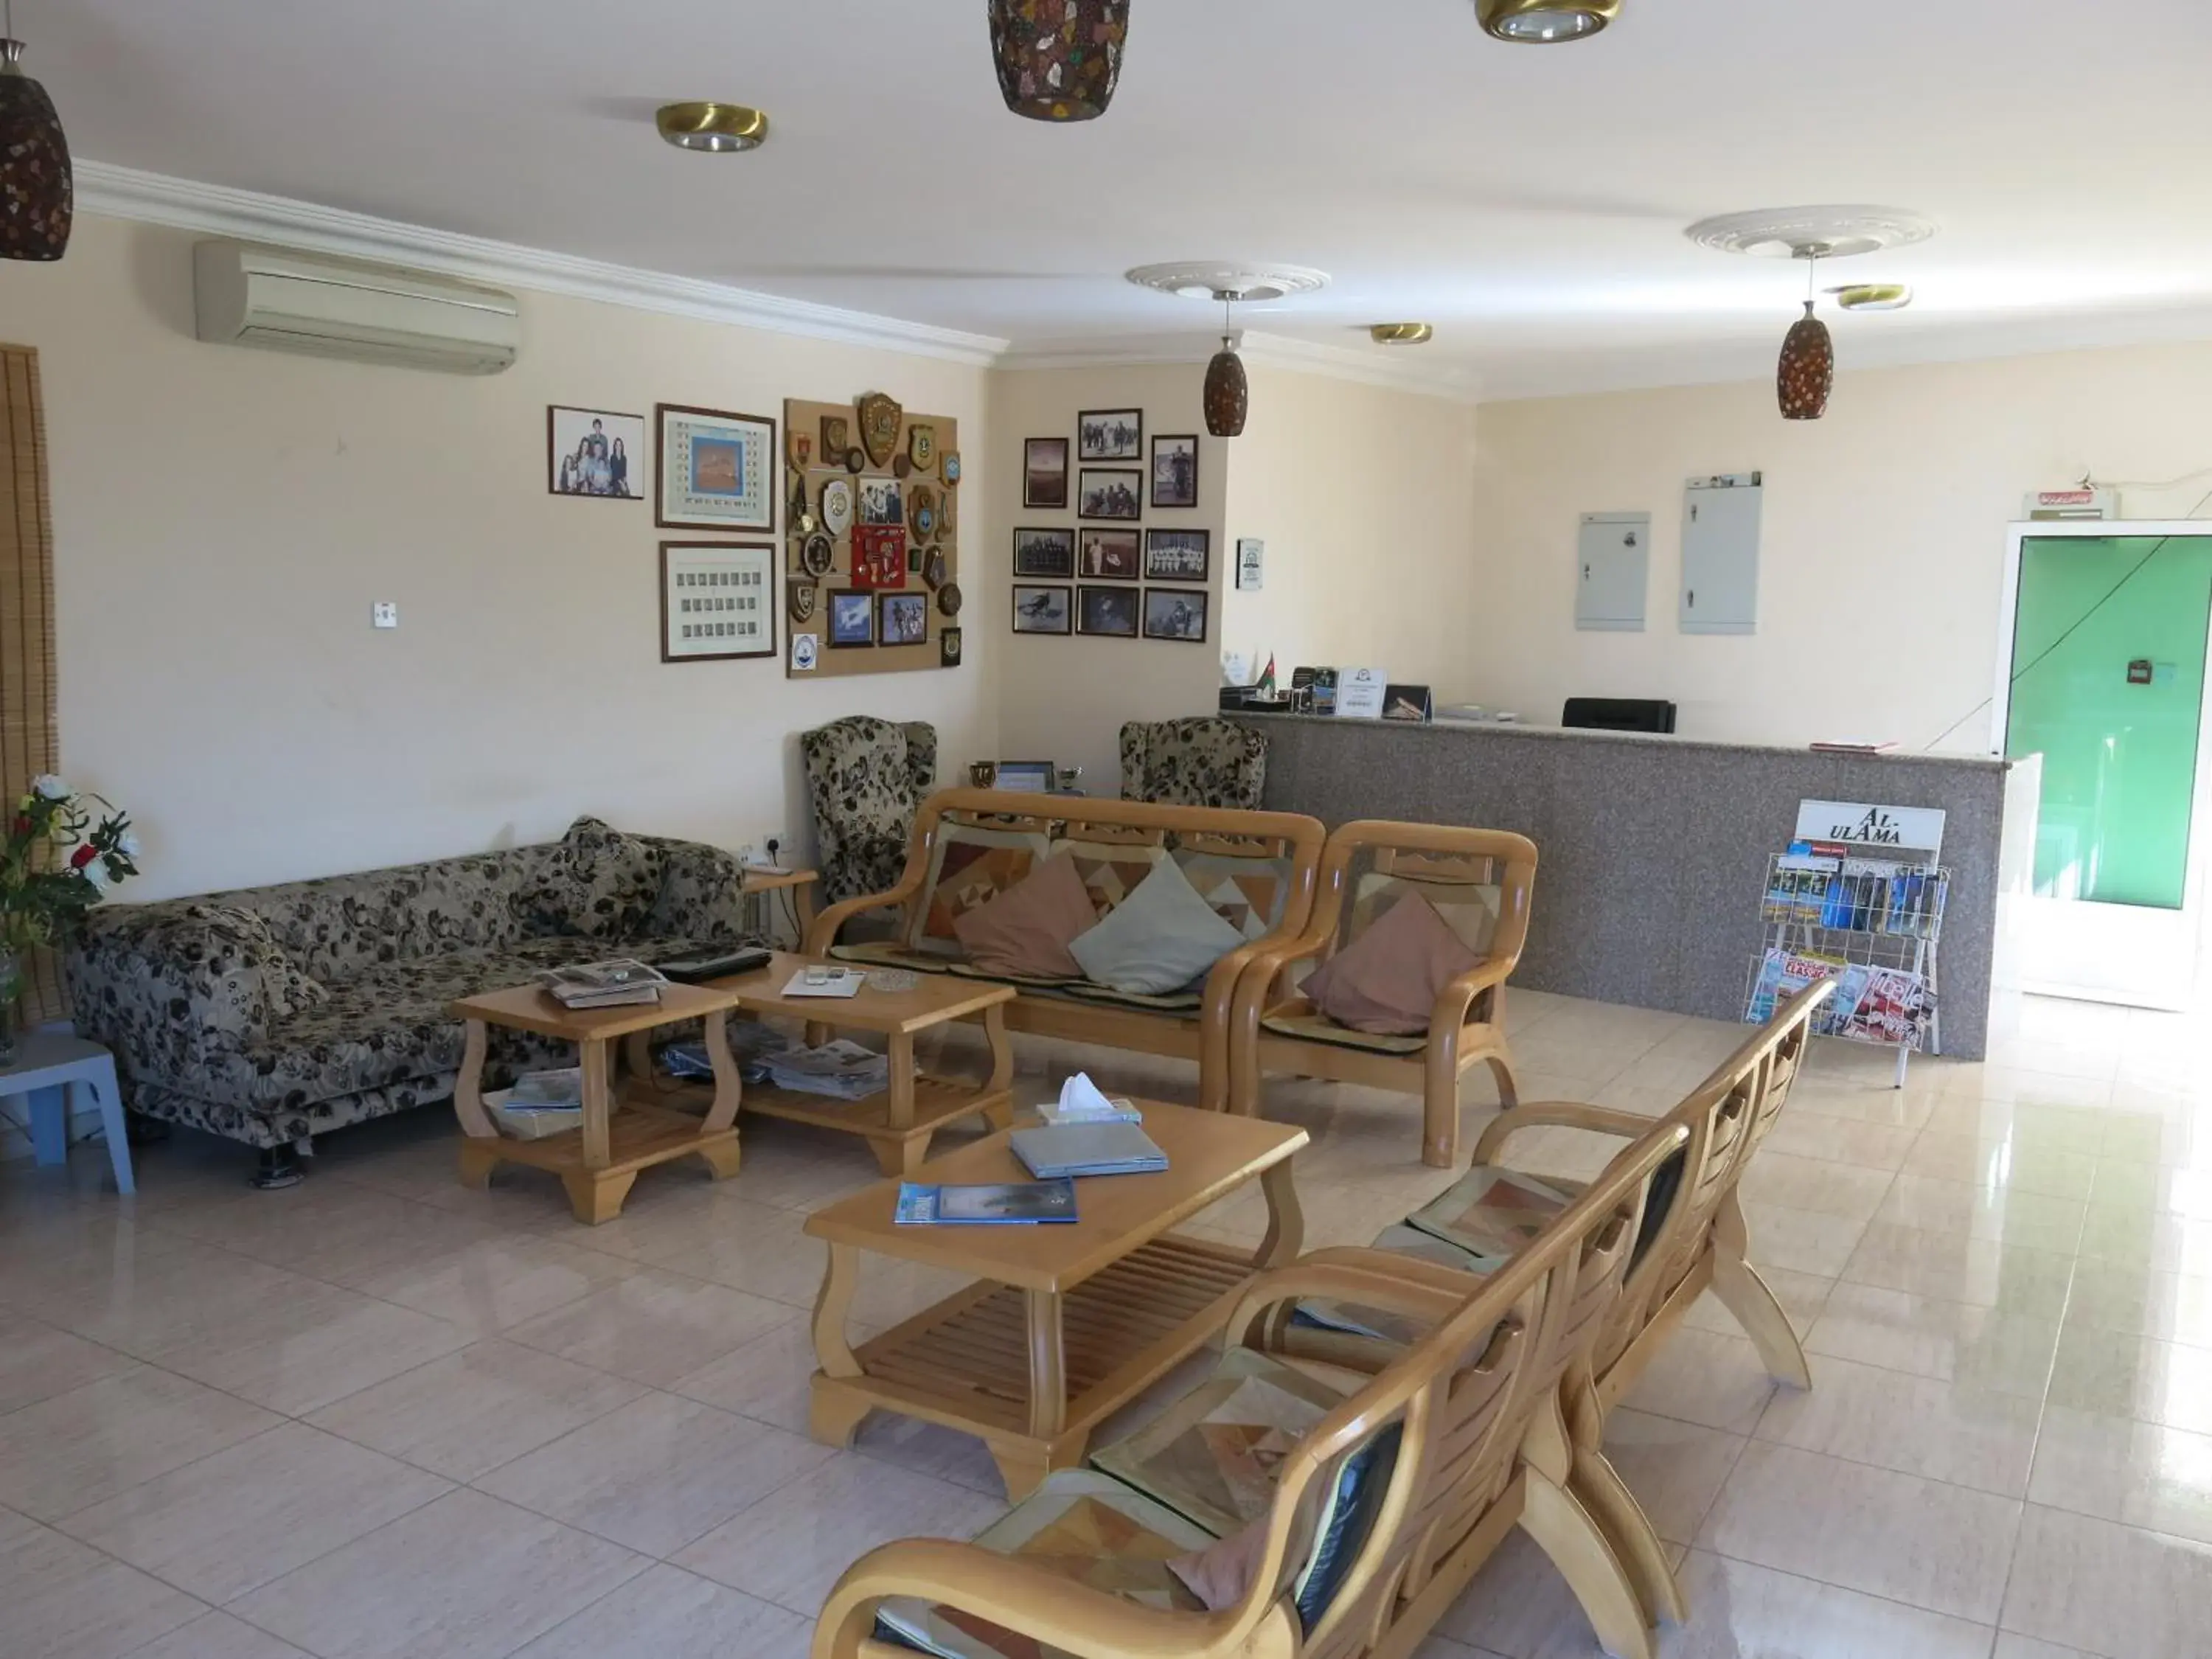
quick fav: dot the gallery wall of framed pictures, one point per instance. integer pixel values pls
(1107, 568)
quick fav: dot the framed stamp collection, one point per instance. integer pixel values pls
(717, 600)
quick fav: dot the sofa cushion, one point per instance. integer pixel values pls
(232, 938)
(1159, 939)
(595, 883)
(1493, 1213)
(1320, 1028)
(1112, 870)
(1247, 893)
(1387, 980)
(1023, 933)
(1470, 909)
(969, 866)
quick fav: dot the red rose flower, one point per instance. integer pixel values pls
(83, 855)
(23, 824)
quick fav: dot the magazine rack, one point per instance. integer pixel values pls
(1871, 925)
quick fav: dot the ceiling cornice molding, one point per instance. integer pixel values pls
(1260, 348)
(219, 211)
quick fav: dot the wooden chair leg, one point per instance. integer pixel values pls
(1501, 1072)
(1597, 1486)
(1564, 1530)
(1746, 1295)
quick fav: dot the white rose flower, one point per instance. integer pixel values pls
(127, 843)
(51, 787)
(96, 873)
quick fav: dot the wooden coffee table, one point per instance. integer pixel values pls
(1065, 1323)
(621, 1135)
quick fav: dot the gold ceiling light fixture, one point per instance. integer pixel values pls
(1872, 296)
(712, 129)
(1401, 333)
(38, 192)
(1544, 22)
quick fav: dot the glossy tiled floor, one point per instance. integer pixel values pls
(381, 1415)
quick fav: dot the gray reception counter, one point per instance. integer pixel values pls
(1653, 849)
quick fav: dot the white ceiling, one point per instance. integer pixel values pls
(1527, 201)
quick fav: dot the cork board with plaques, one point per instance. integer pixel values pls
(871, 546)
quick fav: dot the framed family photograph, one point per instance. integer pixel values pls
(716, 469)
(1044, 553)
(1109, 555)
(1108, 610)
(1107, 492)
(1175, 472)
(852, 618)
(594, 452)
(1169, 615)
(1044, 472)
(1041, 610)
(902, 618)
(717, 600)
(1178, 556)
(1109, 434)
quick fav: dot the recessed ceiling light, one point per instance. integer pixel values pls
(1215, 279)
(1803, 233)
(1401, 333)
(712, 129)
(1546, 22)
(1872, 296)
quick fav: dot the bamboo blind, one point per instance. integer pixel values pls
(29, 739)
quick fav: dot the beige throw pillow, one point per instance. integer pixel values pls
(1160, 939)
(1024, 932)
(1387, 980)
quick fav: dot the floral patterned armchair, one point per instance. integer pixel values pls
(866, 776)
(1204, 761)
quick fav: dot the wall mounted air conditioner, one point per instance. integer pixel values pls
(246, 295)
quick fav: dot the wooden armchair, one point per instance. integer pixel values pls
(1375, 1521)
(1480, 882)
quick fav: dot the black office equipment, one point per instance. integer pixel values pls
(1619, 714)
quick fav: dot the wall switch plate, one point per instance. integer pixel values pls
(386, 614)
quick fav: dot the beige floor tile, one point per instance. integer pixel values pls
(1939, 1547)
(1706, 1378)
(1990, 1211)
(1976, 1271)
(2010, 1646)
(653, 1327)
(1802, 1241)
(39, 1361)
(758, 1248)
(1674, 1468)
(1914, 1425)
(2145, 1379)
(1995, 1161)
(471, 1411)
(1780, 1181)
(791, 1549)
(1840, 1140)
(1443, 1647)
(217, 1636)
(2014, 1085)
(1980, 1348)
(94, 1442)
(655, 1473)
(326, 1229)
(2069, 1131)
(2123, 1184)
(2108, 1589)
(61, 1599)
(498, 1282)
(669, 1614)
(2113, 1296)
(1801, 1295)
(1520, 1608)
(148, 1290)
(1740, 1611)
(2170, 1243)
(1908, 1108)
(253, 1511)
(766, 1380)
(2174, 1138)
(2140, 1473)
(464, 1577)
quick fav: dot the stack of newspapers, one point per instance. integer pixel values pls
(615, 984)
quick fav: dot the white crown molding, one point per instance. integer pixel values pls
(215, 210)
(1368, 367)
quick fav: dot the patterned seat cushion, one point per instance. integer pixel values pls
(1320, 1028)
(1084, 1527)
(970, 865)
(890, 953)
(1185, 1001)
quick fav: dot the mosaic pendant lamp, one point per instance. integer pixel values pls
(1058, 59)
(1807, 369)
(37, 196)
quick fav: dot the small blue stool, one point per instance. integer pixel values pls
(50, 1070)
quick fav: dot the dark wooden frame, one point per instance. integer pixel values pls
(1062, 530)
(768, 598)
(949, 643)
(1137, 453)
(1152, 470)
(1136, 556)
(1204, 546)
(883, 597)
(645, 437)
(1014, 611)
(1066, 475)
(1205, 614)
(1137, 617)
(829, 640)
(728, 528)
(1134, 473)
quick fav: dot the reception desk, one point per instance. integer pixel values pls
(1654, 849)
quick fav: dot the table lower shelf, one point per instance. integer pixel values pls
(638, 1137)
(899, 1148)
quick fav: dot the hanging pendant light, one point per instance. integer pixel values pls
(37, 197)
(1806, 372)
(1058, 59)
(1227, 395)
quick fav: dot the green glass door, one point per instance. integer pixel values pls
(2107, 683)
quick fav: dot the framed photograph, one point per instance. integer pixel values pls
(1251, 558)
(716, 469)
(1110, 492)
(1048, 553)
(1109, 434)
(883, 500)
(1178, 556)
(1175, 472)
(1041, 610)
(594, 452)
(852, 618)
(1170, 615)
(717, 600)
(1109, 555)
(902, 619)
(948, 649)
(1108, 610)
(1044, 472)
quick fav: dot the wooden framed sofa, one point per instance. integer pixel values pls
(1256, 870)
(1391, 1489)
(1479, 882)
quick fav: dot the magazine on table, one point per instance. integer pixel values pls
(988, 1204)
(612, 984)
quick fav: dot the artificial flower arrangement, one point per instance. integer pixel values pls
(57, 861)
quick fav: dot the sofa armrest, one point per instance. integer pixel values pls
(180, 992)
(1557, 1114)
(702, 893)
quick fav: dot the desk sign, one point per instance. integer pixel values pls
(1910, 834)
(1359, 693)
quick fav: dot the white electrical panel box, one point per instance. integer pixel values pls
(1613, 555)
(1720, 554)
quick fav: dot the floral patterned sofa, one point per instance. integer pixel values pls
(272, 1014)
(1201, 760)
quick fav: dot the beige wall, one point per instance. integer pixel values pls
(1064, 700)
(224, 520)
(1883, 538)
(1365, 499)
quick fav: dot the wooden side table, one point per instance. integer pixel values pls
(620, 1135)
(762, 879)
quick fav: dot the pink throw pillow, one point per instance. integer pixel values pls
(1024, 932)
(1387, 980)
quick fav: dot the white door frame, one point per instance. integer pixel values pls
(2132, 954)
